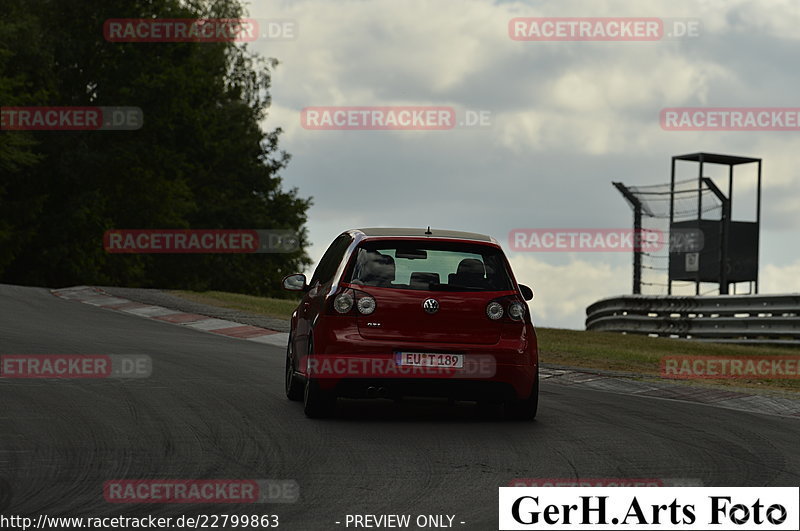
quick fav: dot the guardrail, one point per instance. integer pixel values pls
(773, 319)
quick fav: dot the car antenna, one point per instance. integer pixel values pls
(429, 230)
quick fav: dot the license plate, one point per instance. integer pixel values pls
(429, 359)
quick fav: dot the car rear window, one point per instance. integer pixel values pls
(432, 266)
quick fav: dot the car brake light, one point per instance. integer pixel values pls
(366, 305)
(509, 307)
(516, 311)
(494, 310)
(343, 302)
(349, 299)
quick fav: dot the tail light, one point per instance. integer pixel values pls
(494, 310)
(516, 311)
(366, 305)
(343, 302)
(352, 301)
(510, 307)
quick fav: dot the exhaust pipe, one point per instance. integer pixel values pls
(377, 392)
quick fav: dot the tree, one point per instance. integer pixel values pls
(200, 160)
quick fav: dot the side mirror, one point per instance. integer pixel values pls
(527, 293)
(295, 282)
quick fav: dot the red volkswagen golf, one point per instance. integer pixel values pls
(407, 312)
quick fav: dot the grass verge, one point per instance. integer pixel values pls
(267, 306)
(642, 354)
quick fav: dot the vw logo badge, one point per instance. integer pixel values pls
(431, 305)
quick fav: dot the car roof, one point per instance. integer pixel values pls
(397, 232)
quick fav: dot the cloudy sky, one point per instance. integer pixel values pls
(567, 118)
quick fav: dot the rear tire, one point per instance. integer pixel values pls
(317, 403)
(526, 408)
(294, 388)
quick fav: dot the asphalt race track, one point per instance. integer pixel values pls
(215, 408)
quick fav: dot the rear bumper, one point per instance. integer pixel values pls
(439, 388)
(350, 365)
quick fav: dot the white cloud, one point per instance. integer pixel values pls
(776, 18)
(568, 119)
(780, 279)
(564, 291)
